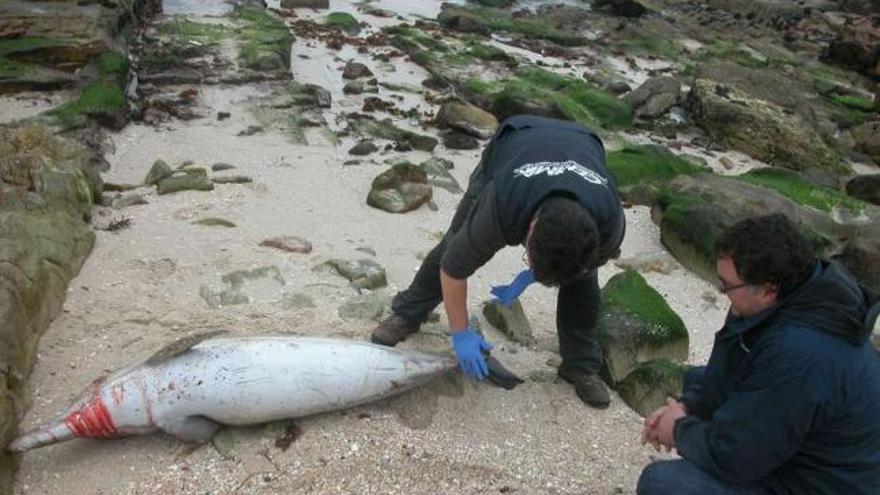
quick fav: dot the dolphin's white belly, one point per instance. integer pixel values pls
(242, 381)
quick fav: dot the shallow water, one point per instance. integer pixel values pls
(196, 7)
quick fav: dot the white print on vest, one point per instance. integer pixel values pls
(557, 168)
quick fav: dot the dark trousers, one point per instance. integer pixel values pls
(682, 477)
(577, 304)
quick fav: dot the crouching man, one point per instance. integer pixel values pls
(789, 402)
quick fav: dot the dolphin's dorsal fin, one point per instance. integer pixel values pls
(180, 346)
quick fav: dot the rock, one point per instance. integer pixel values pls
(128, 200)
(511, 321)
(459, 141)
(41, 250)
(636, 326)
(655, 97)
(646, 388)
(289, 243)
(373, 307)
(363, 274)
(355, 70)
(363, 148)
(231, 179)
(639, 170)
(437, 170)
(856, 46)
(215, 222)
(695, 209)
(622, 8)
(219, 167)
(760, 83)
(385, 129)
(193, 179)
(353, 88)
(466, 118)
(376, 104)
(463, 21)
(865, 187)
(618, 87)
(400, 189)
(867, 139)
(305, 4)
(251, 130)
(757, 128)
(158, 171)
(320, 97)
(861, 256)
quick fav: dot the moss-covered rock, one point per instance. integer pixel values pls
(693, 210)
(402, 188)
(646, 388)
(540, 92)
(485, 20)
(637, 325)
(791, 185)
(102, 100)
(265, 40)
(758, 128)
(636, 168)
(47, 185)
(344, 22)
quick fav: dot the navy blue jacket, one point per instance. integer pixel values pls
(790, 398)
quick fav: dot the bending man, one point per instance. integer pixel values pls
(541, 183)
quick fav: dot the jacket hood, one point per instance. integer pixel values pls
(830, 301)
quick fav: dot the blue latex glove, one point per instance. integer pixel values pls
(469, 347)
(507, 294)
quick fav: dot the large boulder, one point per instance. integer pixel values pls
(865, 187)
(867, 139)
(758, 128)
(636, 326)
(694, 210)
(856, 46)
(47, 186)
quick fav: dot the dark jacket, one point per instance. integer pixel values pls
(529, 159)
(790, 397)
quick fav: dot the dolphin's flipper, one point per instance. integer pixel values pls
(501, 376)
(181, 345)
(190, 429)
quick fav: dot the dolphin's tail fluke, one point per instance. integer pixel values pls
(44, 435)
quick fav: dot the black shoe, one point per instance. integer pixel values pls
(393, 330)
(589, 388)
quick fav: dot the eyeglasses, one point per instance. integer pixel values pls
(725, 289)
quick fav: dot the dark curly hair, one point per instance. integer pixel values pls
(768, 249)
(564, 241)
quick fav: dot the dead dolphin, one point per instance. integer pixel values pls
(194, 386)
